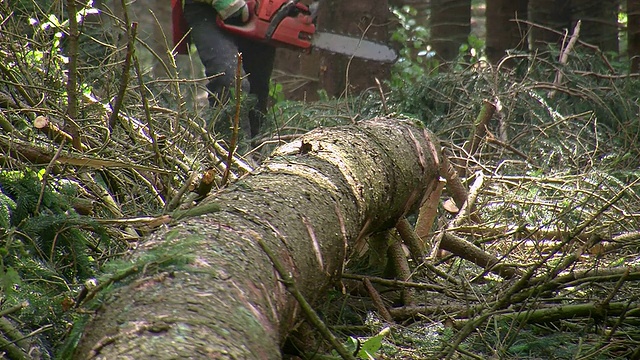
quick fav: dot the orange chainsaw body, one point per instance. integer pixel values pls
(279, 22)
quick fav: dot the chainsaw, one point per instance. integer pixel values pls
(290, 23)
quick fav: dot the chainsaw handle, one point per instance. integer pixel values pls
(282, 12)
(252, 5)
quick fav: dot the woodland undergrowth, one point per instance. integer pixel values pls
(553, 179)
(95, 149)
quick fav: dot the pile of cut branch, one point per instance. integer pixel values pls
(539, 257)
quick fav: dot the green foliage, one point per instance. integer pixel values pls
(66, 350)
(415, 56)
(372, 345)
(45, 248)
(276, 93)
(25, 188)
(10, 279)
(175, 254)
(366, 349)
(474, 49)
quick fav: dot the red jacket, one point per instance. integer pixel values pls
(180, 28)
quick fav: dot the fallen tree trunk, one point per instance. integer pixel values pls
(204, 288)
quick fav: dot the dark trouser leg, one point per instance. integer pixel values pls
(258, 61)
(218, 52)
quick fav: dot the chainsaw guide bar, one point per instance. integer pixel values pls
(356, 47)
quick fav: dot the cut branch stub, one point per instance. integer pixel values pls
(225, 299)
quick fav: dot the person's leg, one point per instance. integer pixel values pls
(257, 60)
(218, 52)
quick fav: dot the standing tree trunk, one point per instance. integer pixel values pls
(335, 73)
(553, 14)
(450, 27)
(205, 288)
(633, 29)
(503, 31)
(599, 22)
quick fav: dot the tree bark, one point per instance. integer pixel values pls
(549, 14)
(450, 27)
(503, 31)
(212, 292)
(599, 22)
(633, 38)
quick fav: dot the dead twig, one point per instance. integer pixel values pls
(396, 255)
(480, 130)
(72, 76)
(236, 122)
(411, 239)
(455, 188)
(124, 77)
(457, 221)
(564, 56)
(377, 301)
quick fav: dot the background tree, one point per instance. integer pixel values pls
(450, 27)
(552, 14)
(504, 31)
(633, 28)
(599, 22)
